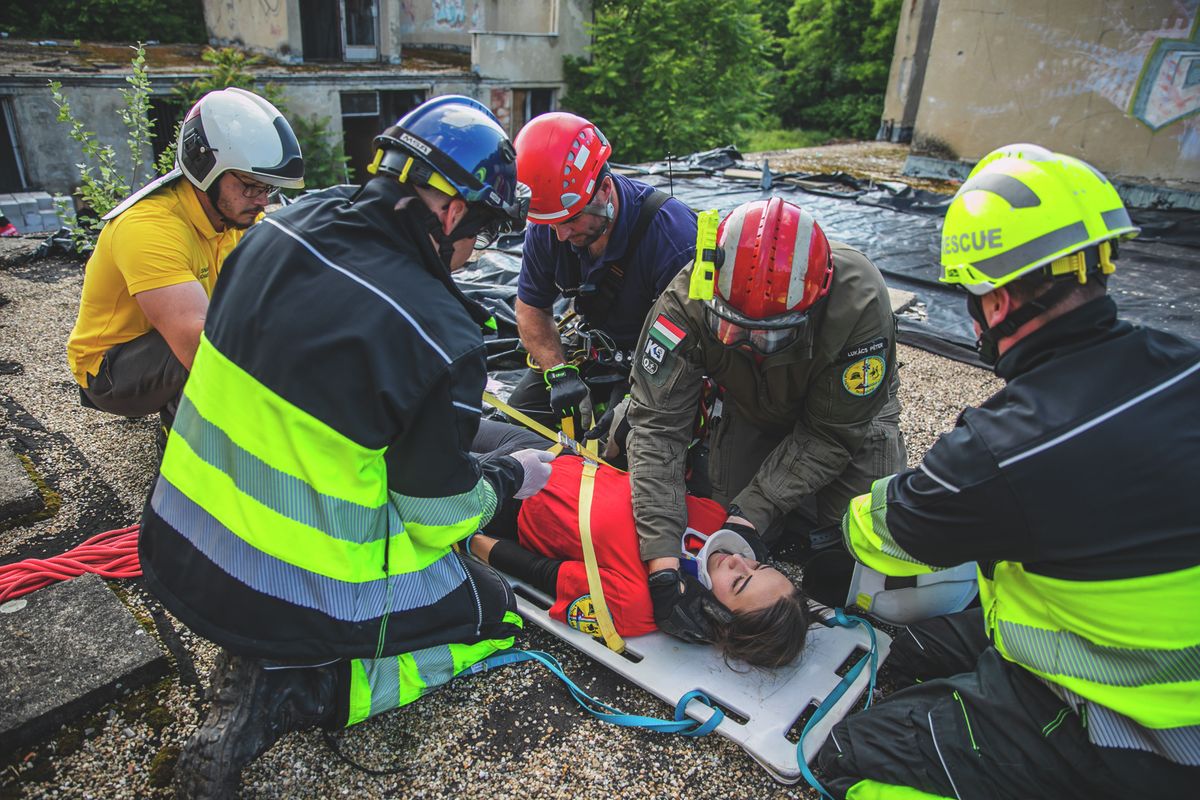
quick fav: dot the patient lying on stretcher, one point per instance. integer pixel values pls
(538, 542)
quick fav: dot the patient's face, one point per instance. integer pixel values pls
(742, 584)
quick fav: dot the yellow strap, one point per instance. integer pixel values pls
(561, 440)
(587, 482)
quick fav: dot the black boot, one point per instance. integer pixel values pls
(251, 708)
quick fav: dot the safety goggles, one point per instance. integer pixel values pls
(764, 336)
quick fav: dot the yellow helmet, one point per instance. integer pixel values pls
(1024, 208)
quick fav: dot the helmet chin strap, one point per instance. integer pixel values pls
(989, 337)
(433, 226)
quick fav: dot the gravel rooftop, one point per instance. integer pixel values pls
(510, 733)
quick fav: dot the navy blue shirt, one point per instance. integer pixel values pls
(669, 245)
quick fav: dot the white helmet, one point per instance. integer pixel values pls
(929, 595)
(236, 129)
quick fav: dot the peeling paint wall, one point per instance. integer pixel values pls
(1116, 82)
(914, 35)
(262, 25)
(47, 150)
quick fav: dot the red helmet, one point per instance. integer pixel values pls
(776, 267)
(560, 157)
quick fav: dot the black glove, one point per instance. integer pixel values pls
(748, 533)
(683, 608)
(567, 389)
(600, 429)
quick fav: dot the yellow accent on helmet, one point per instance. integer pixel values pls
(435, 181)
(1024, 208)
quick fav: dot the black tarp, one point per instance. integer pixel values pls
(1157, 282)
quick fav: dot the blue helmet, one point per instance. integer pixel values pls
(456, 145)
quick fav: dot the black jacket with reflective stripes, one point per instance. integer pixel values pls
(1081, 468)
(341, 311)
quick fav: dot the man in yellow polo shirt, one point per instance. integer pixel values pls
(147, 285)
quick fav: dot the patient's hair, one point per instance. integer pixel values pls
(769, 637)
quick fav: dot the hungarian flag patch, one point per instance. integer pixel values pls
(667, 333)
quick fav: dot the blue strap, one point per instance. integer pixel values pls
(604, 712)
(840, 619)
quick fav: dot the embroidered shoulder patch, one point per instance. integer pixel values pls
(667, 333)
(874, 347)
(864, 376)
(581, 615)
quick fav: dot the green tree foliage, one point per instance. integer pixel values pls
(102, 185)
(324, 160)
(672, 75)
(110, 20)
(837, 57)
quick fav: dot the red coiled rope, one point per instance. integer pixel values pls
(112, 554)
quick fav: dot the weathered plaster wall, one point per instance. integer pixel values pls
(49, 153)
(1116, 82)
(528, 55)
(914, 35)
(442, 22)
(270, 26)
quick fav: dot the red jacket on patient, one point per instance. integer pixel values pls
(548, 523)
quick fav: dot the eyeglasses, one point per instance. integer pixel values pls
(251, 190)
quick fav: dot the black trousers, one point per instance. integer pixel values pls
(137, 378)
(980, 727)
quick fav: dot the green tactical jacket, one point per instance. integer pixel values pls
(821, 405)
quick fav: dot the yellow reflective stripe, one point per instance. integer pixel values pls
(1131, 645)
(289, 496)
(1153, 612)
(874, 790)
(866, 535)
(360, 693)
(438, 522)
(467, 655)
(282, 435)
(273, 533)
(381, 684)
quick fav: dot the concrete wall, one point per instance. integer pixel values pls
(1115, 82)
(914, 35)
(442, 23)
(528, 56)
(265, 26)
(48, 152)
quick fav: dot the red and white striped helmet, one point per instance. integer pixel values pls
(776, 267)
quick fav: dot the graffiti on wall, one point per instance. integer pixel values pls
(1168, 88)
(450, 14)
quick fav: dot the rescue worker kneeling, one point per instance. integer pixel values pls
(799, 335)
(317, 473)
(1071, 487)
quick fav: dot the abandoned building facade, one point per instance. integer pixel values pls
(1117, 84)
(360, 64)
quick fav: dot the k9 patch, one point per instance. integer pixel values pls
(655, 351)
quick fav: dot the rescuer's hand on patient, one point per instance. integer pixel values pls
(536, 467)
(567, 389)
(683, 608)
(737, 523)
